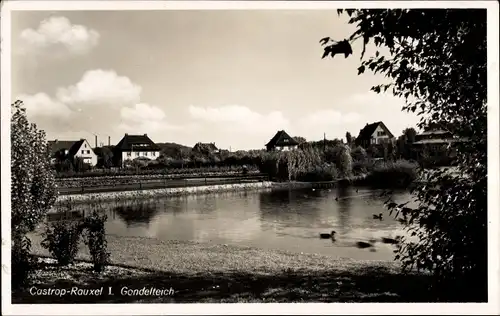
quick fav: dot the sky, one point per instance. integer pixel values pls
(234, 78)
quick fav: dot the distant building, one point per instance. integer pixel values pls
(131, 147)
(205, 148)
(281, 142)
(374, 134)
(69, 149)
(437, 141)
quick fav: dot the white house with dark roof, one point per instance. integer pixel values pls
(62, 149)
(131, 147)
(281, 142)
(372, 134)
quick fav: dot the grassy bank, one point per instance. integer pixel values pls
(221, 273)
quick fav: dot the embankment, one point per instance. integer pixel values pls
(164, 192)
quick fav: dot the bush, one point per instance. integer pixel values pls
(61, 239)
(363, 166)
(400, 173)
(22, 261)
(359, 154)
(95, 239)
(327, 172)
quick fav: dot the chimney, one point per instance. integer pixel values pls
(145, 134)
(56, 141)
(109, 140)
(95, 141)
(126, 134)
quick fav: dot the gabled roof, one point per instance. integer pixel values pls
(71, 146)
(366, 132)
(74, 148)
(282, 139)
(136, 143)
(60, 145)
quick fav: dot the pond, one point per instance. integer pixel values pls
(288, 220)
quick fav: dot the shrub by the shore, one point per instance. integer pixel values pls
(400, 173)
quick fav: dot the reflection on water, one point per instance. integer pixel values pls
(285, 219)
(136, 215)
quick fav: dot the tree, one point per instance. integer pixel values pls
(104, 157)
(401, 148)
(410, 134)
(79, 165)
(32, 187)
(359, 154)
(348, 138)
(300, 139)
(431, 65)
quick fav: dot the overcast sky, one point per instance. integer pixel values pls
(229, 77)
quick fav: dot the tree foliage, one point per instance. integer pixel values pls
(32, 179)
(437, 63)
(32, 187)
(104, 157)
(410, 133)
(300, 139)
(348, 138)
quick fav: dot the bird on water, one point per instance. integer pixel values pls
(379, 216)
(328, 236)
(362, 244)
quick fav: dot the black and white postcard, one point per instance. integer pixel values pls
(254, 157)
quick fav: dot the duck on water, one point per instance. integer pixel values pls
(379, 216)
(328, 236)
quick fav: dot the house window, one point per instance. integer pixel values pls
(85, 145)
(146, 153)
(137, 154)
(381, 133)
(153, 154)
(129, 154)
(88, 151)
(83, 152)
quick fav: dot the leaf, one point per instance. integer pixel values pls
(326, 52)
(324, 40)
(361, 70)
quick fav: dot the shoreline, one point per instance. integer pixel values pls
(207, 273)
(191, 257)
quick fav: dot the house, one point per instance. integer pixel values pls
(281, 142)
(62, 149)
(437, 142)
(374, 134)
(207, 148)
(131, 147)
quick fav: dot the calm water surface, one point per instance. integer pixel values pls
(286, 220)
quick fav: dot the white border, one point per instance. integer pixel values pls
(245, 309)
